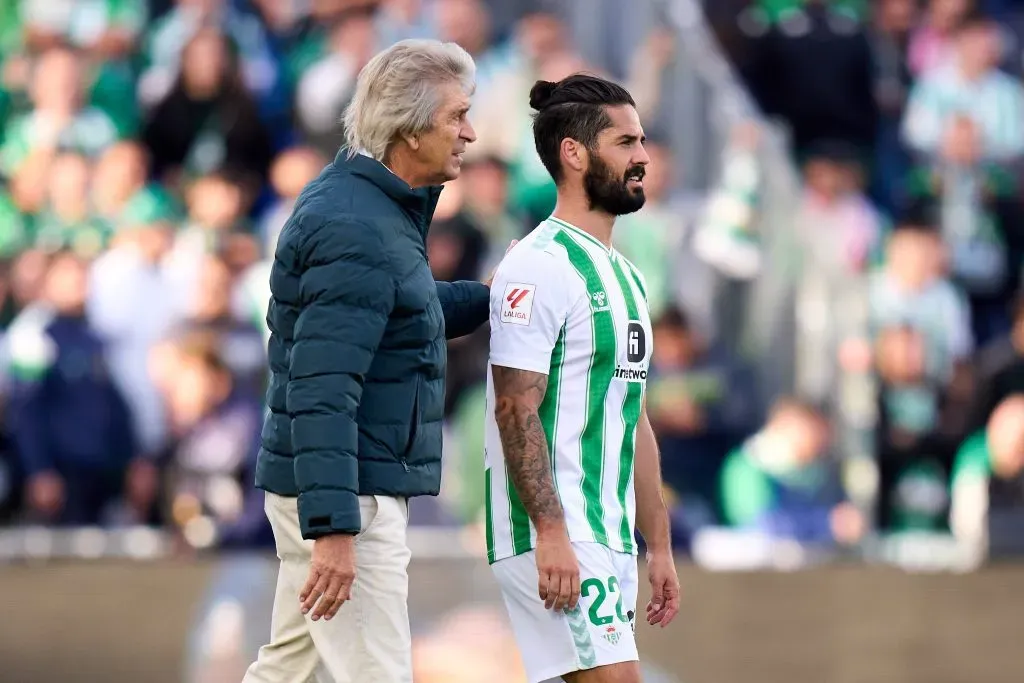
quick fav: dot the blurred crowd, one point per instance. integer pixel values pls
(906, 119)
(151, 151)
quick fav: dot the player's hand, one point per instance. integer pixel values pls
(558, 571)
(331, 573)
(664, 604)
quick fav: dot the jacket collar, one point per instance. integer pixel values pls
(419, 203)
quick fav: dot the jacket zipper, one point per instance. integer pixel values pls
(403, 458)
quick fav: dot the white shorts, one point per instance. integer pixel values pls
(598, 632)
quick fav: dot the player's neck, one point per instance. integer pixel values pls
(597, 224)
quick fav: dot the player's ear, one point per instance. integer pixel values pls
(574, 155)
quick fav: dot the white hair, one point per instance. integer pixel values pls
(397, 92)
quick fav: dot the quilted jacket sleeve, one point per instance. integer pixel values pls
(466, 306)
(346, 294)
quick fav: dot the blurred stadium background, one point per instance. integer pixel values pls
(834, 239)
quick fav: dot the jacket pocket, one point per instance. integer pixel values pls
(414, 421)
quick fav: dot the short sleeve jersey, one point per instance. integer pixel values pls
(564, 305)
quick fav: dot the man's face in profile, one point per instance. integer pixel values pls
(441, 148)
(614, 178)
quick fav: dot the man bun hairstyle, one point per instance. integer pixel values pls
(572, 108)
(541, 94)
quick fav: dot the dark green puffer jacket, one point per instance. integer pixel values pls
(357, 347)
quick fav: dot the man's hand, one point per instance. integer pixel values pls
(490, 279)
(664, 604)
(558, 571)
(46, 493)
(331, 573)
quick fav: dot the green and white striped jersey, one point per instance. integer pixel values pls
(564, 305)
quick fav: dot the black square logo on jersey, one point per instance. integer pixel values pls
(636, 343)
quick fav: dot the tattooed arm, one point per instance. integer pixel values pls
(518, 395)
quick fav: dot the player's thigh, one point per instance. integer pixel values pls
(622, 672)
(543, 636)
(552, 643)
(607, 605)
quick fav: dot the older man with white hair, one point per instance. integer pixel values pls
(357, 354)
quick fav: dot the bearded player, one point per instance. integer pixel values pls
(572, 463)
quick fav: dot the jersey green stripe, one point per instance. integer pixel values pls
(636, 278)
(518, 517)
(599, 377)
(548, 411)
(489, 518)
(631, 407)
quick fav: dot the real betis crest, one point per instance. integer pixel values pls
(611, 634)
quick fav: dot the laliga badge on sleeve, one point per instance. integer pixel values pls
(517, 303)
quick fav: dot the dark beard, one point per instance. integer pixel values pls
(607, 193)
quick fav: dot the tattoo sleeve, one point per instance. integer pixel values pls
(518, 395)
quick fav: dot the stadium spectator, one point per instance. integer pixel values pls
(217, 223)
(401, 19)
(327, 85)
(104, 30)
(910, 291)
(132, 304)
(701, 403)
(68, 220)
(725, 236)
(208, 121)
(933, 44)
(977, 207)
(812, 68)
(209, 462)
(486, 183)
(468, 23)
(291, 171)
(60, 118)
(837, 222)
(166, 43)
(71, 425)
(121, 189)
(456, 246)
(781, 483)
(969, 85)
(987, 487)
(295, 35)
(238, 343)
(914, 441)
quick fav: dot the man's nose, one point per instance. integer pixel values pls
(641, 158)
(468, 133)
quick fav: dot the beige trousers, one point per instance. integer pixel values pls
(368, 640)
